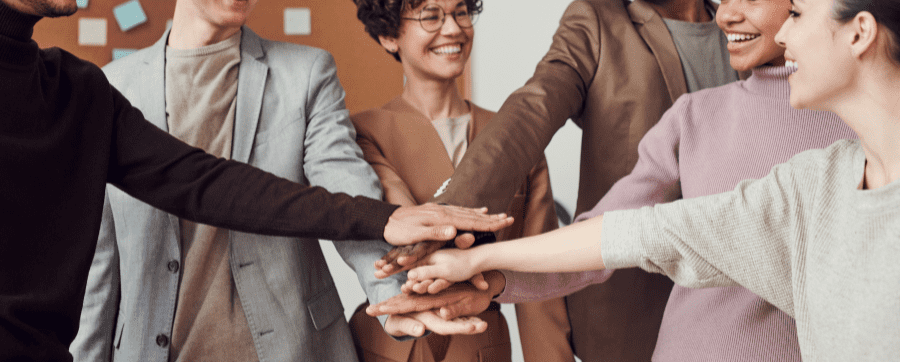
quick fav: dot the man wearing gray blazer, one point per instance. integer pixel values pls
(163, 288)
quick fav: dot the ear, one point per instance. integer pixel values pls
(864, 33)
(390, 44)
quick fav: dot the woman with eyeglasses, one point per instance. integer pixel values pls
(818, 237)
(414, 143)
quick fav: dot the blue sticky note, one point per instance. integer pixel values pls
(129, 14)
(81, 3)
(121, 53)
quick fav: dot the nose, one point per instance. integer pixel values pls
(730, 12)
(782, 33)
(450, 26)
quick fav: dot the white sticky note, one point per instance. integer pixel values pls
(92, 31)
(297, 21)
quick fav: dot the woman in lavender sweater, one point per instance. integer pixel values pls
(818, 237)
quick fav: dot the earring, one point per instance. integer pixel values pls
(392, 50)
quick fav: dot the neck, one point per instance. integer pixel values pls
(15, 22)
(434, 99)
(874, 114)
(190, 32)
(693, 11)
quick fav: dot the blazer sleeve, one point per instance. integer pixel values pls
(334, 161)
(95, 338)
(156, 168)
(396, 191)
(514, 141)
(540, 210)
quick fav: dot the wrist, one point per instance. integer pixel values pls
(496, 282)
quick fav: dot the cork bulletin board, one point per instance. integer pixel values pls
(370, 76)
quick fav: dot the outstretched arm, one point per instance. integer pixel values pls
(515, 139)
(540, 253)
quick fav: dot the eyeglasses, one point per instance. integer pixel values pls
(432, 17)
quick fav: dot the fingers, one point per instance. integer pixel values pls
(463, 325)
(412, 224)
(438, 286)
(425, 272)
(419, 251)
(404, 303)
(464, 240)
(477, 280)
(398, 326)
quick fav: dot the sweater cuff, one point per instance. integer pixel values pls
(373, 216)
(621, 240)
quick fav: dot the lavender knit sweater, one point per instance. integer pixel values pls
(705, 144)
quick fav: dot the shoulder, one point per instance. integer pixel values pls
(124, 72)
(602, 8)
(283, 55)
(61, 63)
(369, 121)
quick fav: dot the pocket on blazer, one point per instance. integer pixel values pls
(120, 327)
(325, 308)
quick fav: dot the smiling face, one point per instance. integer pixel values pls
(819, 48)
(439, 55)
(750, 26)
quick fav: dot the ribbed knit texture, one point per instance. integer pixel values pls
(705, 144)
(803, 238)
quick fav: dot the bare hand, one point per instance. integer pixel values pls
(414, 224)
(436, 286)
(458, 299)
(415, 323)
(402, 258)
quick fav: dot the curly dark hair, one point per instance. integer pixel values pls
(382, 17)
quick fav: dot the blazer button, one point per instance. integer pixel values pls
(162, 340)
(173, 266)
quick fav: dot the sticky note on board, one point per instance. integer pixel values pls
(297, 21)
(92, 31)
(121, 53)
(129, 14)
(81, 3)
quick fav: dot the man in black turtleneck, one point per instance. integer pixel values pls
(65, 132)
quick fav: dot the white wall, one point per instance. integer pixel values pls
(511, 37)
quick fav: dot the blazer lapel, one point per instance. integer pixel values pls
(153, 103)
(654, 31)
(433, 153)
(153, 100)
(251, 86)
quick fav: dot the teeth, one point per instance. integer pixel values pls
(790, 64)
(733, 37)
(448, 49)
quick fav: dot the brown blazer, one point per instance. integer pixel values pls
(412, 163)
(613, 69)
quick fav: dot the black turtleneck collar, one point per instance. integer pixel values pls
(16, 28)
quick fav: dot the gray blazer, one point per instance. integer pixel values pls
(291, 121)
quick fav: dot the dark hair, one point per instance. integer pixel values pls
(886, 13)
(382, 17)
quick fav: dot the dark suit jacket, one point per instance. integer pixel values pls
(614, 70)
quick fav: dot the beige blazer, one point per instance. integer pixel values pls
(613, 69)
(412, 163)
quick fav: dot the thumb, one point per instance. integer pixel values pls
(399, 326)
(425, 272)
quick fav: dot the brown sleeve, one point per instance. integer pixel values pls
(540, 210)
(166, 173)
(514, 141)
(543, 326)
(396, 191)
